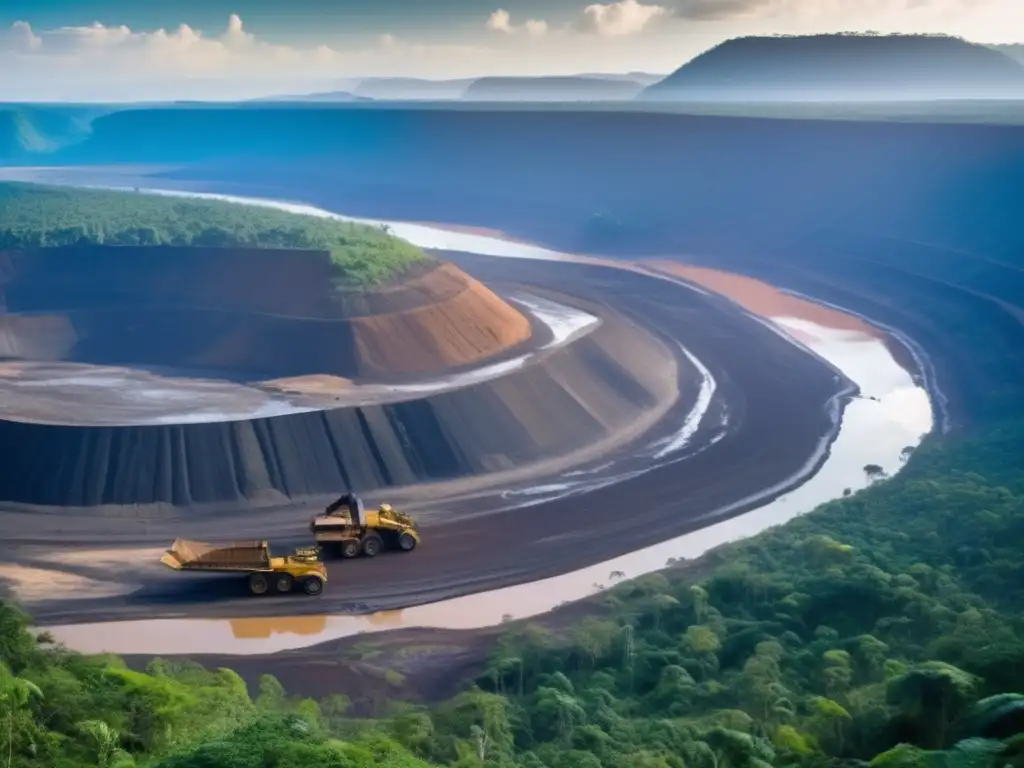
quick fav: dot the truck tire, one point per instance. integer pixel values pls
(350, 548)
(258, 584)
(283, 582)
(406, 542)
(372, 545)
(313, 585)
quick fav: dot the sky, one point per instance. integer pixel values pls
(215, 49)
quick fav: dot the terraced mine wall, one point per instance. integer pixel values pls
(233, 311)
(577, 396)
(583, 178)
(913, 221)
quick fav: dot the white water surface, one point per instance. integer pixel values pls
(420, 235)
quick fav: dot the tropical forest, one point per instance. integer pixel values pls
(883, 629)
(38, 216)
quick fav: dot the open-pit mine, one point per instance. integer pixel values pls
(547, 418)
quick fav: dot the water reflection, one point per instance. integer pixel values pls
(263, 628)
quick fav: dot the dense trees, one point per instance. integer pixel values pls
(884, 630)
(62, 710)
(33, 216)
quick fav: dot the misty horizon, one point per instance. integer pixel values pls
(116, 52)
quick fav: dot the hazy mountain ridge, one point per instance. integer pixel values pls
(844, 66)
(644, 78)
(581, 87)
(554, 88)
(319, 96)
(411, 88)
(1013, 50)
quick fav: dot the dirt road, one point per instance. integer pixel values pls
(774, 395)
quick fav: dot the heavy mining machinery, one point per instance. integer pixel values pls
(346, 527)
(303, 568)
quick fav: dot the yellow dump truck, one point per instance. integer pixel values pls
(302, 568)
(351, 530)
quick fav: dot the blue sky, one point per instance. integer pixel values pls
(128, 49)
(285, 20)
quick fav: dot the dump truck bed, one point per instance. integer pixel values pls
(238, 556)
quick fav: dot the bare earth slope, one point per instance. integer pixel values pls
(573, 399)
(236, 315)
(448, 319)
(485, 540)
(253, 311)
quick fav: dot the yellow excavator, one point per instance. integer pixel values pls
(351, 530)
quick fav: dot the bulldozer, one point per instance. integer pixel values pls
(349, 529)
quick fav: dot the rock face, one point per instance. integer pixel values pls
(254, 313)
(236, 313)
(541, 411)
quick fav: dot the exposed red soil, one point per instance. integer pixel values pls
(764, 300)
(245, 310)
(468, 324)
(315, 384)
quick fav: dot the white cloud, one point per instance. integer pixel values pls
(621, 18)
(853, 14)
(535, 27)
(19, 38)
(101, 48)
(116, 62)
(501, 21)
(94, 37)
(235, 34)
(626, 17)
(388, 42)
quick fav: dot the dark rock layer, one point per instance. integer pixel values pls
(576, 397)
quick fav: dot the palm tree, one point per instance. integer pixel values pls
(107, 743)
(15, 694)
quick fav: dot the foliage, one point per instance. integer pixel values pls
(35, 216)
(882, 630)
(884, 627)
(62, 710)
